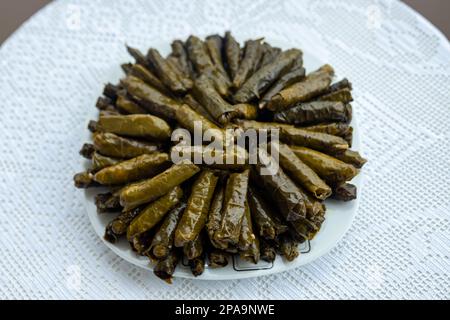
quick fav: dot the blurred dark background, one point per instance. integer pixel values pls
(14, 12)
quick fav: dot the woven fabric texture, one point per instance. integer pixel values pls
(53, 69)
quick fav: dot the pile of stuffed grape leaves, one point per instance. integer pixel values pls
(204, 213)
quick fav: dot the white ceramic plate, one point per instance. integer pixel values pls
(338, 219)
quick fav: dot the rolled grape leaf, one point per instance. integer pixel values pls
(247, 236)
(167, 73)
(100, 161)
(340, 129)
(332, 170)
(352, 157)
(300, 172)
(261, 80)
(118, 226)
(207, 95)
(154, 213)
(136, 125)
(314, 140)
(295, 75)
(281, 188)
(196, 213)
(194, 249)
(141, 167)
(313, 85)
(127, 106)
(179, 51)
(249, 63)
(198, 54)
(345, 192)
(162, 242)
(266, 223)
(143, 73)
(313, 113)
(233, 209)
(343, 95)
(148, 190)
(165, 269)
(112, 145)
(232, 53)
(153, 100)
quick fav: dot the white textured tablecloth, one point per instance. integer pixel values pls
(54, 67)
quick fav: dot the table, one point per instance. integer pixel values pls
(54, 67)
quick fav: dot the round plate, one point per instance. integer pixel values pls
(338, 218)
